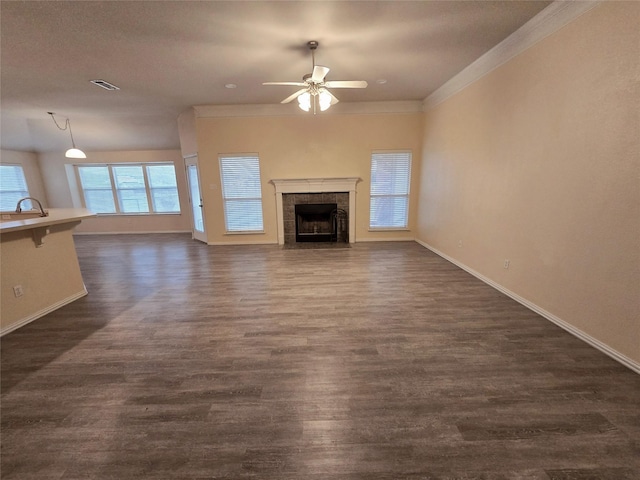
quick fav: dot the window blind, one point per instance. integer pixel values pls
(242, 193)
(13, 187)
(390, 180)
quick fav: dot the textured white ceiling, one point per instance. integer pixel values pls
(170, 55)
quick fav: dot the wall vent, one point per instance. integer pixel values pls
(104, 84)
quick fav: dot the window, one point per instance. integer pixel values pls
(130, 188)
(163, 188)
(390, 179)
(241, 193)
(13, 187)
(96, 185)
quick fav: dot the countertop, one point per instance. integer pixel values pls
(56, 216)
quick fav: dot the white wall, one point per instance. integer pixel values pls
(538, 162)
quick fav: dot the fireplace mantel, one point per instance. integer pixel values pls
(316, 185)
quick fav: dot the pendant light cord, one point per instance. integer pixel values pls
(67, 125)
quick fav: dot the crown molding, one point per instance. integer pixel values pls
(267, 110)
(545, 23)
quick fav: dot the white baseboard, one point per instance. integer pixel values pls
(594, 342)
(230, 244)
(388, 239)
(132, 233)
(43, 312)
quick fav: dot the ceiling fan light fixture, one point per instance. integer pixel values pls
(315, 86)
(304, 101)
(325, 100)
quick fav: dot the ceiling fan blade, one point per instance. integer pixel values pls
(296, 84)
(319, 72)
(346, 84)
(295, 95)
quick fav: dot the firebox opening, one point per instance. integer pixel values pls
(318, 222)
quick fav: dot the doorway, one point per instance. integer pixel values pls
(195, 199)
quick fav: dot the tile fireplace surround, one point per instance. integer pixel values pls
(316, 185)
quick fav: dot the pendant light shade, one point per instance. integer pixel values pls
(75, 153)
(72, 152)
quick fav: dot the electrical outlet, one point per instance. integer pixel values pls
(459, 243)
(18, 291)
(506, 264)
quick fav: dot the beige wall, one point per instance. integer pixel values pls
(49, 275)
(29, 162)
(538, 163)
(62, 191)
(304, 146)
(187, 132)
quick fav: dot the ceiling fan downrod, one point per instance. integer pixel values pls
(313, 45)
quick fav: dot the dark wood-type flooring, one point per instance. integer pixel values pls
(381, 361)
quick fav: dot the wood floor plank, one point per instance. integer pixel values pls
(380, 361)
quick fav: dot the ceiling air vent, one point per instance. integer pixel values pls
(104, 84)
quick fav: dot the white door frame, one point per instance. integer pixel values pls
(191, 161)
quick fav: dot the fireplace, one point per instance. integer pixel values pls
(316, 217)
(340, 192)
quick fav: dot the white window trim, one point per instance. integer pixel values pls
(224, 200)
(404, 228)
(389, 229)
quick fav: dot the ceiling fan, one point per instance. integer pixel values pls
(315, 86)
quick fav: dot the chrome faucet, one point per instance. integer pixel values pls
(19, 208)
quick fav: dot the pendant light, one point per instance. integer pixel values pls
(72, 152)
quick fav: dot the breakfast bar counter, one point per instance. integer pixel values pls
(39, 265)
